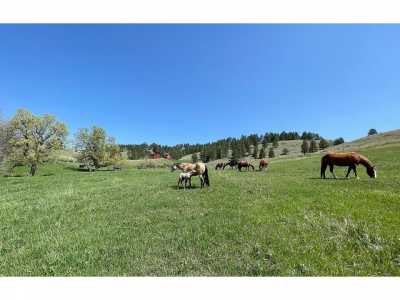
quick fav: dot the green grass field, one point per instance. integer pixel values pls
(283, 221)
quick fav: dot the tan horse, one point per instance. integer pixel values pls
(199, 169)
(263, 164)
(348, 159)
(185, 178)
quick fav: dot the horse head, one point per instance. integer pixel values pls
(174, 167)
(371, 171)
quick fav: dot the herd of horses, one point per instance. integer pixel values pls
(241, 164)
(343, 159)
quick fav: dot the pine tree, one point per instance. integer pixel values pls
(275, 143)
(218, 154)
(262, 153)
(255, 152)
(305, 147)
(271, 153)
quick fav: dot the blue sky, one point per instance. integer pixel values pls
(197, 83)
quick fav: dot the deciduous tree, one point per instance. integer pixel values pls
(30, 139)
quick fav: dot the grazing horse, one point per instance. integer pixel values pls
(232, 163)
(186, 178)
(348, 159)
(219, 166)
(244, 164)
(199, 169)
(263, 164)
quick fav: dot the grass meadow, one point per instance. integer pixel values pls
(284, 221)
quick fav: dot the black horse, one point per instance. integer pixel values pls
(232, 163)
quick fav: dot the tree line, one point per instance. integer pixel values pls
(230, 147)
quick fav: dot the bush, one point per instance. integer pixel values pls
(285, 151)
(372, 131)
(338, 141)
(323, 144)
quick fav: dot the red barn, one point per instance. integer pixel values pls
(155, 155)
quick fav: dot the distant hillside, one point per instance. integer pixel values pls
(380, 139)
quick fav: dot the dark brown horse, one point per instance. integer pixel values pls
(263, 164)
(244, 164)
(219, 166)
(347, 159)
(232, 163)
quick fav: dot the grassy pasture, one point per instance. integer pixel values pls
(283, 221)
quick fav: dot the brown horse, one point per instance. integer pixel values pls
(199, 169)
(348, 159)
(244, 164)
(263, 164)
(219, 166)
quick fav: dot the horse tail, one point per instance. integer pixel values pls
(252, 166)
(206, 179)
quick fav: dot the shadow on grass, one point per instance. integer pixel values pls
(15, 175)
(329, 178)
(77, 169)
(174, 187)
(27, 175)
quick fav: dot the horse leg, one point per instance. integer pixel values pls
(323, 169)
(179, 182)
(355, 171)
(331, 169)
(348, 171)
(201, 181)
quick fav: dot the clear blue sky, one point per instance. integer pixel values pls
(197, 83)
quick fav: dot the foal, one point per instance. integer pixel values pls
(185, 177)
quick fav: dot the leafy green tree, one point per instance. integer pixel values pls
(95, 149)
(271, 153)
(31, 139)
(285, 151)
(313, 146)
(372, 131)
(338, 141)
(262, 153)
(305, 147)
(323, 143)
(3, 138)
(194, 158)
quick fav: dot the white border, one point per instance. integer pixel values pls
(209, 11)
(200, 288)
(205, 11)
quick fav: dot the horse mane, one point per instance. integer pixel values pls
(365, 162)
